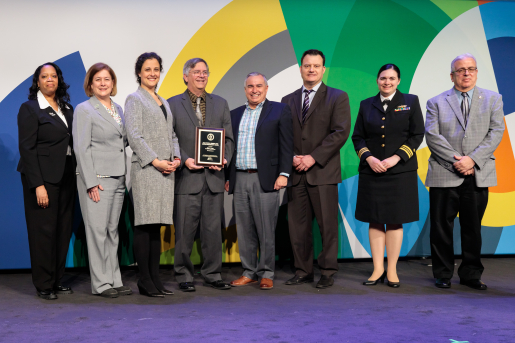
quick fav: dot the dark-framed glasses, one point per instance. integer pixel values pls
(461, 71)
(199, 72)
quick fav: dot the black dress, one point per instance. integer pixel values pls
(390, 197)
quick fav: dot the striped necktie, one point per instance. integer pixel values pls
(305, 107)
(465, 107)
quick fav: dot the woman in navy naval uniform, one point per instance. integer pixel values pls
(388, 130)
(47, 166)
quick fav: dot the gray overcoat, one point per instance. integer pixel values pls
(150, 136)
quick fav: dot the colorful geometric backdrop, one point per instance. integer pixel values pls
(236, 37)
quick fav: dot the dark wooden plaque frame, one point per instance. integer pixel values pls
(198, 144)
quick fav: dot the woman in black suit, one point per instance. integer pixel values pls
(47, 167)
(388, 130)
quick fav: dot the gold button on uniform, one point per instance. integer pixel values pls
(382, 145)
(382, 127)
(382, 136)
(383, 118)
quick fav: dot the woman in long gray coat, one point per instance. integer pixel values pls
(156, 156)
(99, 144)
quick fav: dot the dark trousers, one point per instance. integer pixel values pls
(191, 210)
(445, 203)
(50, 229)
(304, 200)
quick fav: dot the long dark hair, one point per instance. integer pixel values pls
(61, 94)
(142, 58)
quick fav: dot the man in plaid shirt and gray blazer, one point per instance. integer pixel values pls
(464, 126)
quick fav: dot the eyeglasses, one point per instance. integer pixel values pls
(199, 72)
(461, 71)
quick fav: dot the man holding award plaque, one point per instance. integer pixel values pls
(202, 123)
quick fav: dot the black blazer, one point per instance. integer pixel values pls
(273, 144)
(43, 143)
(381, 134)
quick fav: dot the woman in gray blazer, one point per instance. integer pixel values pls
(155, 157)
(99, 144)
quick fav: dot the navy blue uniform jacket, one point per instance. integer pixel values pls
(399, 130)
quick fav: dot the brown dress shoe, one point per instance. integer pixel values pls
(266, 283)
(242, 281)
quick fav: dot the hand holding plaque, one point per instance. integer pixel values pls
(210, 147)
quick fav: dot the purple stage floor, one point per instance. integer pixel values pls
(347, 312)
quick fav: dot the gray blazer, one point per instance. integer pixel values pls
(99, 142)
(447, 135)
(185, 123)
(150, 136)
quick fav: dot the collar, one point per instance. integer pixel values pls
(389, 98)
(458, 93)
(315, 89)
(193, 97)
(43, 102)
(258, 107)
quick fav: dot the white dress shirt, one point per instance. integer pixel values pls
(311, 95)
(383, 99)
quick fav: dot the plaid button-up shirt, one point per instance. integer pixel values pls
(246, 154)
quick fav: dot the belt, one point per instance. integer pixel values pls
(250, 171)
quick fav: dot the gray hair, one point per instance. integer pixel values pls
(254, 73)
(191, 63)
(462, 57)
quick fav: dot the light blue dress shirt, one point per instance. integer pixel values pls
(246, 151)
(460, 97)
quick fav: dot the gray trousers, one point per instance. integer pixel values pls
(204, 208)
(101, 223)
(256, 214)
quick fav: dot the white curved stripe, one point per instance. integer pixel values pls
(286, 82)
(464, 34)
(357, 249)
(510, 127)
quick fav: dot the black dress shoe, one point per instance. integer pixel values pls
(187, 286)
(443, 283)
(145, 291)
(110, 293)
(47, 295)
(123, 290)
(62, 290)
(165, 291)
(394, 284)
(298, 280)
(218, 284)
(374, 282)
(325, 281)
(474, 283)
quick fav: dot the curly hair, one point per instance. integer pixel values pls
(142, 58)
(61, 94)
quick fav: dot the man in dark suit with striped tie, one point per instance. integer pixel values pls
(321, 125)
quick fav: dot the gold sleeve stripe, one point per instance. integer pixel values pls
(407, 150)
(362, 151)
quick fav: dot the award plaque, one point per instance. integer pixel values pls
(209, 147)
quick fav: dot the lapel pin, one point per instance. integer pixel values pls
(52, 114)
